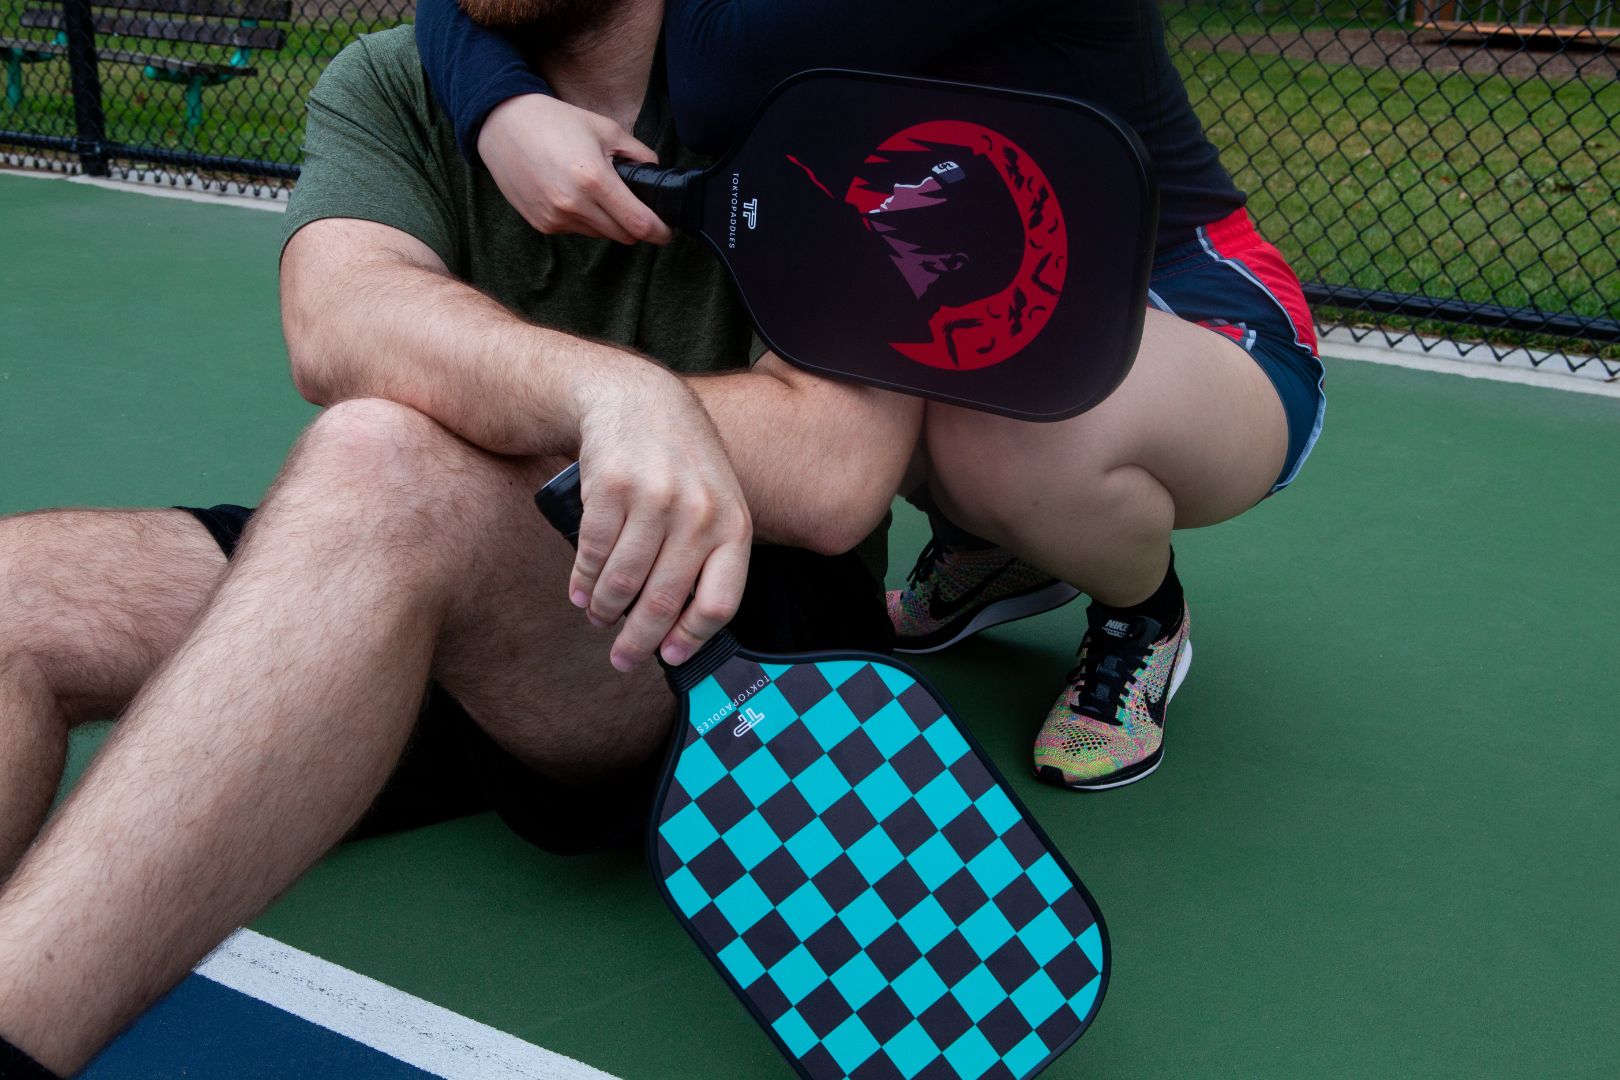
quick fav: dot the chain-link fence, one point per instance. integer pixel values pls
(1429, 165)
(211, 91)
(1448, 169)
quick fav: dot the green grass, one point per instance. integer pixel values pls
(1244, 18)
(1482, 188)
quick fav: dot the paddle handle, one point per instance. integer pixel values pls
(672, 194)
(560, 503)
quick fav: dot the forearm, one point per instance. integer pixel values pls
(819, 461)
(368, 313)
(470, 69)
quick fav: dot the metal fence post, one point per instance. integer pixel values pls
(89, 122)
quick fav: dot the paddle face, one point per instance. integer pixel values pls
(865, 881)
(858, 872)
(983, 247)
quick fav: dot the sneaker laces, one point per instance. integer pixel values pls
(932, 552)
(1105, 675)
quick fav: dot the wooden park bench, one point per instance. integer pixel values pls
(1445, 18)
(234, 25)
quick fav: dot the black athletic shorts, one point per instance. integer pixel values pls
(795, 601)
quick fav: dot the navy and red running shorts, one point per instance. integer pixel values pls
(1231, 281)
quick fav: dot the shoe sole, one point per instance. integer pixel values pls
(1036, 602)
(1142, 769)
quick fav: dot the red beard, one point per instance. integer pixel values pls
(546, 20)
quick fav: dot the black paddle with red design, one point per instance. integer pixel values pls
(988, 248)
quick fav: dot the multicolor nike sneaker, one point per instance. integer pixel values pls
(955, 592)
(1107, 727)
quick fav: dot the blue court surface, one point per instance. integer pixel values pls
(260, 1010)
(204, 1029)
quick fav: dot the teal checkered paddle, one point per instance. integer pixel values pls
(857, 870)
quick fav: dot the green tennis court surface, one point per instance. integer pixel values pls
(1386, 837)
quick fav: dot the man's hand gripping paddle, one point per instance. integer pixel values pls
(859, 873)
(982, 247)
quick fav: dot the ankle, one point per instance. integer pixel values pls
(1164, 605)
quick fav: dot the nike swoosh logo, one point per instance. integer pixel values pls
(943, 610)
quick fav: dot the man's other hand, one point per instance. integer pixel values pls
(554, 163)
(664, 520)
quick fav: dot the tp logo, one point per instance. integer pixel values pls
(746, 722)
(750, 212)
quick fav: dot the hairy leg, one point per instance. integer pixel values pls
(91, 601)
(265, 735)
(528, 667)
(1195, 435)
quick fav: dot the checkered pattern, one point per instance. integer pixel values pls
(867, 884)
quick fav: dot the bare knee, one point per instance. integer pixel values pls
(23, 632)
(394, 468)
(372, 444)
(997, 477)
(91, 601)
(379, 483)
(30, 620)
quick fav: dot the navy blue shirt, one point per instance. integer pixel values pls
(723, 56)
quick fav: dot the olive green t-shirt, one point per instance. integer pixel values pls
(378, 148)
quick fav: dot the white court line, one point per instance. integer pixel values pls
(391, 1021)
(1447, 359)
(159, 188)
(162, 190)
(32, 174)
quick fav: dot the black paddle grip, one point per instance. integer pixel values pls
(673, 194)
(560, 504)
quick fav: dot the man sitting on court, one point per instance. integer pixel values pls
(399, 558)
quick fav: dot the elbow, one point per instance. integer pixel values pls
(839, 463)
(309, 386)
(850, 509)
(306, 360)
(309, 374)
(303, 361)
(850, 491)
(831, 539)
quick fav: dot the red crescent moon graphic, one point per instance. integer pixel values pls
(994, 328)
